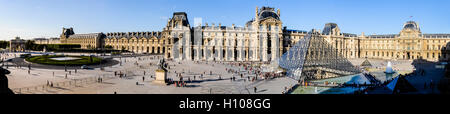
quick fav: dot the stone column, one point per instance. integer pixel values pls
(166, 54)
(274, 47)
(226, 54)
(196, 56)
(247, 51)
(204, 52)
(231, 53)
(212, 54)
(264, 48)
(239, 50)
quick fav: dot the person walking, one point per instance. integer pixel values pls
(254, 88)
(425, 85)
(431, 84)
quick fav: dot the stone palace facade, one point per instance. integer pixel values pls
(262, 39)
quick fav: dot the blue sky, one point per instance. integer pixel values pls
(45, 18)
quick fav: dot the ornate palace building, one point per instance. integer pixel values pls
(259, 40)
(410, 43)
(46, 41)
(17, 44)
(262, 39)
(139, 42)
(87, 41)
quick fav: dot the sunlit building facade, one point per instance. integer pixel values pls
(262, 39)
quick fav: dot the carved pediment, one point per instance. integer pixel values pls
(270, 20)
(180, 35)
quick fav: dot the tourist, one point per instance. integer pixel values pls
(425, 85)
(255, 89)
(143, 78)
(431, 84)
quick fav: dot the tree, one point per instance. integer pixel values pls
(108, 47)
(89, 46)
(4, 44)
(123, 49)
(30, 45)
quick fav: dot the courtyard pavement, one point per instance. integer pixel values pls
(215, 80)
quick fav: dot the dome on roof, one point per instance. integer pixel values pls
(411, 25)
(249, 23)
(266, 14)
(328, 28)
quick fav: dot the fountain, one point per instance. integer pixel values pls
(389, 69)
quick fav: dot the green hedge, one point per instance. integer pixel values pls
(53, 47)
(45, 59)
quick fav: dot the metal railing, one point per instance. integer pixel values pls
(60, 85)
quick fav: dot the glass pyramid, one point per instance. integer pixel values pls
(314, 58)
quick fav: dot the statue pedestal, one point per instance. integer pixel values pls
(161, 77)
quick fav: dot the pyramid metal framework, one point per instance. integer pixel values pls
(366, 63)
(312, 57)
